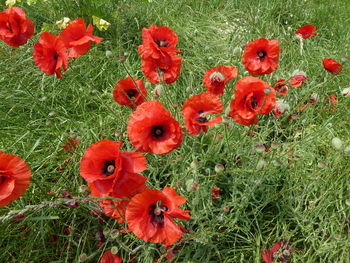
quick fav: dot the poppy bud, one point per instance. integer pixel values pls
(109, 54)
(83, 257)
(260, 148)
(106, 231)
(194, 164)
(219, 168)
(347, 150)
(114, 250)
(261, 164)
(267, 91)
(322, 164)
(237, 51)
(226, 208)
(346, 92)
(114, 233)
(159, 90)
(337, 143)
(189, 185)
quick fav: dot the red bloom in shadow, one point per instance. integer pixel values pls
(332, 66)
(109, 257)
(166, 71)
(215, 79)
(151, 128)
(50, 54)
(77, 38)
(150, 214)
(15, 27)
(196, 109)
(281, 87)
(157, 43)
(251, 99)
(14, 177)
(297, 80)
(71, 145)
(261, 56)
(307, 31)
(280, 250)
(126, 93)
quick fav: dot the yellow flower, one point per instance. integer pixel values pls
(10, 3)
(100, 23)
(63, 23)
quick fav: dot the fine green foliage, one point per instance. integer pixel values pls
(300, 194)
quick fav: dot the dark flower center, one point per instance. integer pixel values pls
(254, 103)
(55, 57)
(131, 93)
(162, 43)
(261, 54)
(2, 179)
(201, 118)
(157, 131)
(156, 213)
(108, 168)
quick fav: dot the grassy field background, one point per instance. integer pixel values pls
(302, 200)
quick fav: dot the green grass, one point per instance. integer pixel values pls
(298, 200)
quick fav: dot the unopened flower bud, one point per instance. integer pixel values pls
(346, 92)
(114, 233)
(261, 164)
(260, 148)
(114, 250)
(267, 91)
(337, 143)
(237, 51)
(83, 257)
(109, 54)
(219, 168)
(347, 150)
(194, 164)
(159, 90)
(322, 164)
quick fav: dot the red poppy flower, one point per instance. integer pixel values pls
(166, 71)
(50, 54)
(109, 170)
(196, 109)
(252, 97)
(261, 56)
(307, 31)
(281, 87)
(332, 66)
(215, 79)
(151, 128)
(297, 80)
(15, 27)
(14, 177)
(157, 43)
(126, 93)
(78, 38)
(150, 214)
(215, 194)
(109, 257)
(280, 250)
